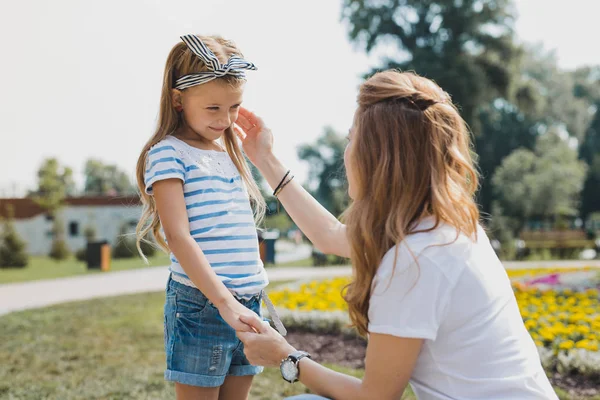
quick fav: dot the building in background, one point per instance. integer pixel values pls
(106, 215)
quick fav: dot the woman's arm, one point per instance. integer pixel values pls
(390, 361)
(319, 225)
(170, 202)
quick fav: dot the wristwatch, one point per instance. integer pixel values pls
(290, 370)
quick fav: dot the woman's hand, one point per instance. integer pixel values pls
(256, 138)
(235, 314)
(264, 347)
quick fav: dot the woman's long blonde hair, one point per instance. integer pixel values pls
(182, 61)
(408, 135)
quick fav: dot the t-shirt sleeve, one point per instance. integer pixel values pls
(163, 162)
(410, 300)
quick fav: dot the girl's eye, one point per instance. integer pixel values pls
(213, 108)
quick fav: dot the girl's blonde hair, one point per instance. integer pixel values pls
(181, 61)
(408, 135)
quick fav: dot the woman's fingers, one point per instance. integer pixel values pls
(249, 115)
(240, 134)
(244, 122)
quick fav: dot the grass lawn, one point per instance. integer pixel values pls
(46, 268)
(100, 349)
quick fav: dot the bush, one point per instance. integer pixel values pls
(90, 233)
(12, 247)
(60, 250)
(126, 245)
(148, 246)
(81, 254)
(125, 248)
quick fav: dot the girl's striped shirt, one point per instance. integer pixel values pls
(219, 212)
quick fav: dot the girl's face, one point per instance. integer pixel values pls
(210, 108)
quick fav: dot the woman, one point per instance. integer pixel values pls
(427, 288)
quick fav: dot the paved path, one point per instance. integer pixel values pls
(26, 295)
(22, 296)
(287, 252)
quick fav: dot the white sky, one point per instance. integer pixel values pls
(81, 79)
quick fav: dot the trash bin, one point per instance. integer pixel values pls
(267, 246)
(98, 255)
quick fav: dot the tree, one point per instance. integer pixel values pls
(590, 200)
(465, 46)
(589, 151)
(12, 247)
(505, 128)
(104, 179)
(559, 97)
(59, 250)
(541, 185)
(326, 160)
(55, 183)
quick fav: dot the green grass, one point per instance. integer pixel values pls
(46, 268)
(102, 349)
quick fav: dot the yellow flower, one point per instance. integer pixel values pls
(566, 345)
(530, 324)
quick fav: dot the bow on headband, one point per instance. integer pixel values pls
(234, 66)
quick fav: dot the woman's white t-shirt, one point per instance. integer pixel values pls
(458, 298)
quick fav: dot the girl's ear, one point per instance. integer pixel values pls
(176, 99)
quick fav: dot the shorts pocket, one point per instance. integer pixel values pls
(189, 311)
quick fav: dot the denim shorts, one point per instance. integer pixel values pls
(201, 348)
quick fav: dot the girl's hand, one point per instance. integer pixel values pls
(256, 138)
(233, 311)
(264, 345)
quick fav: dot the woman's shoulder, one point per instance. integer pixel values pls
(440, 248)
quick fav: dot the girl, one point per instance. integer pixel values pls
(196, 187)
(428, 289)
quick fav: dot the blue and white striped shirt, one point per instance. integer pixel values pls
(219, 212)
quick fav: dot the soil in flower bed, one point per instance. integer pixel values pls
(350, 352)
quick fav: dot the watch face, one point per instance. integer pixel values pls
(289, 370)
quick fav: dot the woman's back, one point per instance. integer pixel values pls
(459, 299)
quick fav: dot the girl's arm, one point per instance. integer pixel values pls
(318, 224)
(170, 202)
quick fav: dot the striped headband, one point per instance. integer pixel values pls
(234, 66)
